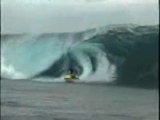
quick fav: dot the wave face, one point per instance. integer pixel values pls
(95, 55)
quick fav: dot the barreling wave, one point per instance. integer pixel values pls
(51, 55)
(95, 55)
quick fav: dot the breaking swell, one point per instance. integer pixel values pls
(125, 54)
(47, 58)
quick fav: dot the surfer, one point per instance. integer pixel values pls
(70, 76)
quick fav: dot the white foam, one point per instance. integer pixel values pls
(8, 70)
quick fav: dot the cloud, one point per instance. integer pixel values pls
(75, 15)
(77, 1)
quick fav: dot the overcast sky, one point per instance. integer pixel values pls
(21, 16)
